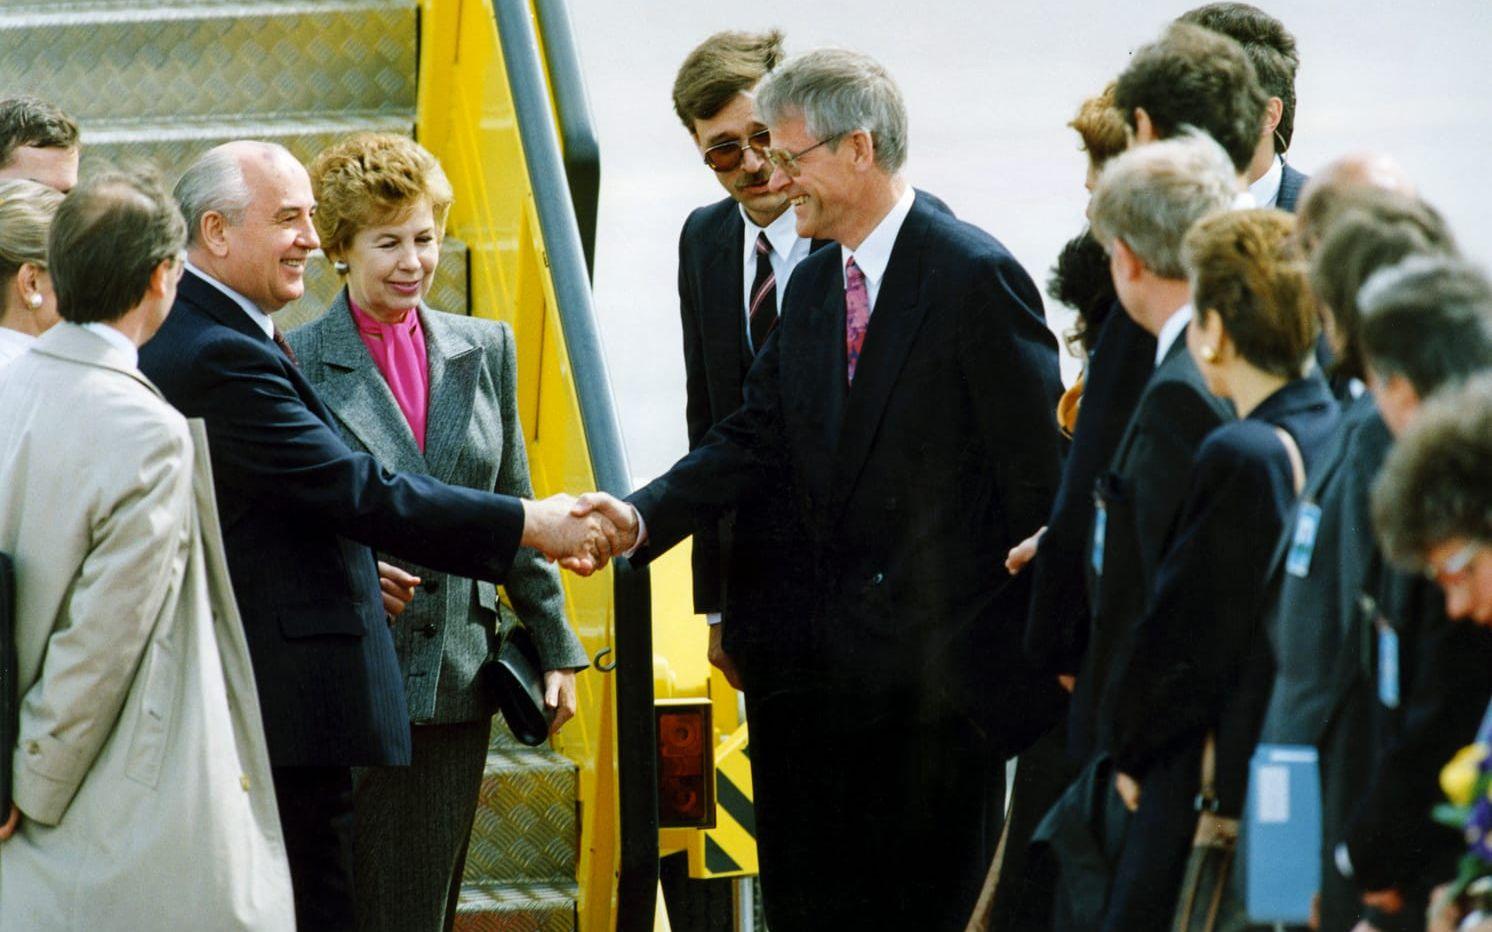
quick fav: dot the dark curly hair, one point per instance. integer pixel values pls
(1080, 279)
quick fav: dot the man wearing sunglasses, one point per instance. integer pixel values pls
(735, 259)
(904, 411)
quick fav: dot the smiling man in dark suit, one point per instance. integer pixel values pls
(904, 406)
(301, 510)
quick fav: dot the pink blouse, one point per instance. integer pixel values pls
(399, 352)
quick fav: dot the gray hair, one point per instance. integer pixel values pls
(214, 183)
(1428, 319)
(1151, 195)
(837, 92)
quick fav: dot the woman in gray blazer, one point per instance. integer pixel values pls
(429, 392)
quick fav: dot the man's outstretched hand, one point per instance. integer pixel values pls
(581, 540)
(622, 517)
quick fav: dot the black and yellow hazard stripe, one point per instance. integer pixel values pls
(729, 849)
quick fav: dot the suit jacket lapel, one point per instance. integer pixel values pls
(455, 365)
(724, 319)
(356, 391)
(894, 320)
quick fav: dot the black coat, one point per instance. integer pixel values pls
(1192, 667)
(913, 484)
(299, 513)
(1142, 493)
(735, 566)
(1119, 367)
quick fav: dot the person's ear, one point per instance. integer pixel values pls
(28, 284)
(1126, 265)
(1144, 129)
(213, 233)
(163, 278)
(1274, 112)
(862, 149)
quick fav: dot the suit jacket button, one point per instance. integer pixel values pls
(877, 579)
(428, 630)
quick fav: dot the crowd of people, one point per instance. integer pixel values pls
(256, 584)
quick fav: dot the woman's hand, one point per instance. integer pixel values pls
(559, 695)
(1023, 553)
(1128, 789)
(397, 589)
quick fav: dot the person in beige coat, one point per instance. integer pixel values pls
(143, 797)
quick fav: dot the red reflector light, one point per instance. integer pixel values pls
(686, 764)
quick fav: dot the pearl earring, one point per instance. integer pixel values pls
(34, 300)
(340, 266)
(1209, 354)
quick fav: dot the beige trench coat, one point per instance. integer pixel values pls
(141, 770)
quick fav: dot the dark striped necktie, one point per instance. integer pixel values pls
(284, 346)
(762, 311)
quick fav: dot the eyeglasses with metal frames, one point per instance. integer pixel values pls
(788, 161)
(727, 156)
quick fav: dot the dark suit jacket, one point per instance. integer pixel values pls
(299, 512)
(1142, 493)
(912, 484)
(1192, 667)
(1120, 365)
(732, 555)
(1291, 182)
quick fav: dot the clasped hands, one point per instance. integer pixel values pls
(581, 534)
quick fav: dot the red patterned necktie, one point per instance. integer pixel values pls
(856, 314)
(762, 312)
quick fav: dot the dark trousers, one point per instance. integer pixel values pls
(316, 817)
(1027, 885)
(1157, 843)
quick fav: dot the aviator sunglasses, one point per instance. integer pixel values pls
(727, 156)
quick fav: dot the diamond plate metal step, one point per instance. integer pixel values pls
(448, 293)
(526, 829)
(516, 908)
(166, 62)
(173, 146)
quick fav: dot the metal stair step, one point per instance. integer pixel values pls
(516, 907)
(173, 146)
(527, 829)
(163, 62)
(448, 293)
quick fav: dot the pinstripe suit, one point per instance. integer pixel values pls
(412, 824)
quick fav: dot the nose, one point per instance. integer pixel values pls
(779, 180)
(306, 236)
(753, 160)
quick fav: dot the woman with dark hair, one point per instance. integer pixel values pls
(1192, 680)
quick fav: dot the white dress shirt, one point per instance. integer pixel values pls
(117, 340)
(874, 253)
(1266, 190)
(13, 343)
(788, 249)
(1170, 330)
(260, 319)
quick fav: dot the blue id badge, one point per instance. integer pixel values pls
(1388, 665)
(1100, 528)
(1303, 541)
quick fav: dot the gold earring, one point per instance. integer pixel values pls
(1209, 354)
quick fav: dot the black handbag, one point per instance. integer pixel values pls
(9, 702)
(517, 680)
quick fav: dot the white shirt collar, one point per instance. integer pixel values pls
(1266, 190)
(782, 233)
(874, 253)
(117, 340)
(260, 319)
(13, 343)
(1170, 330)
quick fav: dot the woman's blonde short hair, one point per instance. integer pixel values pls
(1244, 268)
(371, 179)
(26, 211)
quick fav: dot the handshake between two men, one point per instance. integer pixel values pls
(581, 534)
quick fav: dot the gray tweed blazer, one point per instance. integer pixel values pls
(473, 439)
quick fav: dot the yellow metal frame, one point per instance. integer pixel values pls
(466, 117)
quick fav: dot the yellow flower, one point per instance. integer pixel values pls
(1458, 778)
